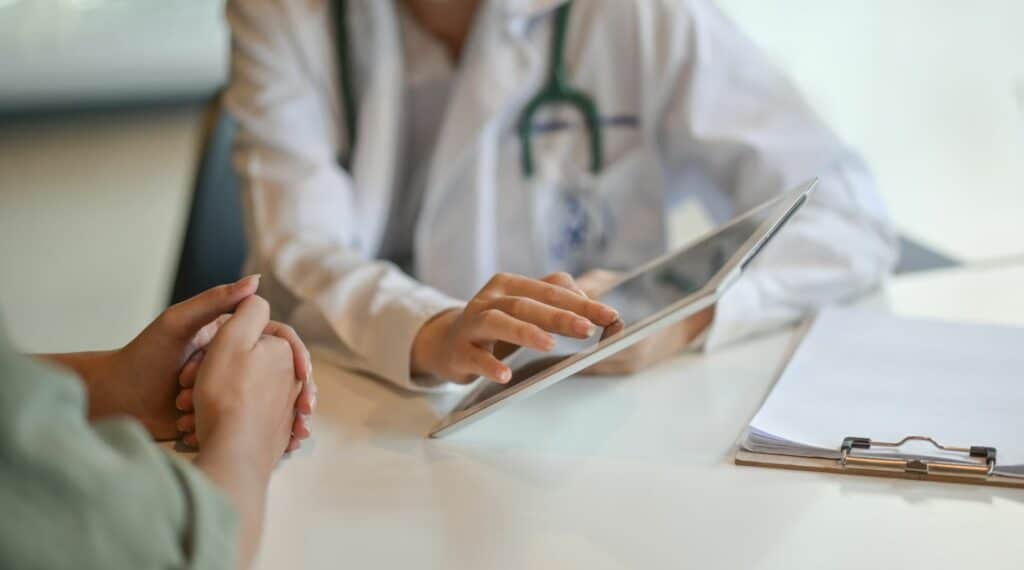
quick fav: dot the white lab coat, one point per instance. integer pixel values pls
(706, 115)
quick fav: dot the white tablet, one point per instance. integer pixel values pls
(648, 299)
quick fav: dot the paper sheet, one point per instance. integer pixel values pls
(865, 373)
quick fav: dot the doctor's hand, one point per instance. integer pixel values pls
(653, 349)
(510, 311)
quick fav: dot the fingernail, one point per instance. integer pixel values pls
(243, 282)
(505, 376)
(610, 313)
(547, 342)
(583, 327)
(309, 369)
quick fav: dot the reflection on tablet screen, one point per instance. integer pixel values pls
(650, 292)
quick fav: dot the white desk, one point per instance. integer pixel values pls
(621, 473)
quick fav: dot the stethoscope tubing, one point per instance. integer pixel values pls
(557, 89)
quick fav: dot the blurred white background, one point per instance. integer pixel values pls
(92, 204)
(931, 92)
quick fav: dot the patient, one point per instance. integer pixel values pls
(83, 486)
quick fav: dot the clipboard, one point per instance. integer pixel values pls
(851, 457)
(851, 461)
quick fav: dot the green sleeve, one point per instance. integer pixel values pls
(103, 496)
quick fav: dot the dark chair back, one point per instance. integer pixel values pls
(214, 248)
(915, 256)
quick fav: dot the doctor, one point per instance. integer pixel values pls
(403, 157)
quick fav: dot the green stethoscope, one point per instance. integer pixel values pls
(557, 89)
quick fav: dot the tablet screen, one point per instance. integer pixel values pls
(652, 290)
(639, 296)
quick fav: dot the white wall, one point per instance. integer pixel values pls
(92, 205)
(931, 91)
(72, 52)
(91, 214)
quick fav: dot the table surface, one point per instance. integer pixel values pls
(625, 472)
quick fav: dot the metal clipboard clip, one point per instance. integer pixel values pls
(983, 467)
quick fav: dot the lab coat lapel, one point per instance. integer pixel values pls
(458, 220)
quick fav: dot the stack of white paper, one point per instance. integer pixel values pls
(867, 374)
